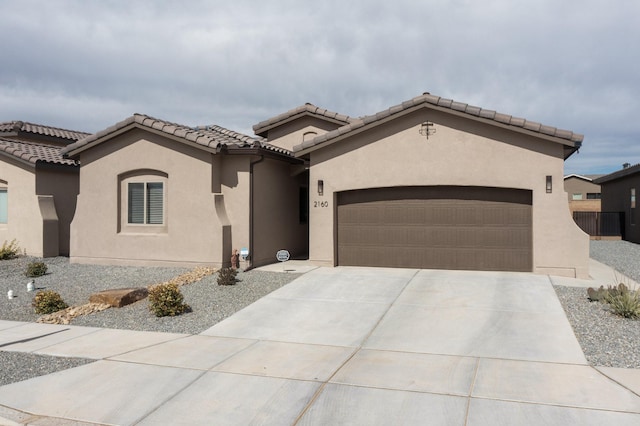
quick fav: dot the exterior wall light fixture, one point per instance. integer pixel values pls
(320, 187)
(549, 185)
(427, 129)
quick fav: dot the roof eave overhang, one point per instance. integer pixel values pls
(620, 174)
(17, 159)
(237, 150)
(45, 165)
(570, 146)
(263, 130)
(74, 153)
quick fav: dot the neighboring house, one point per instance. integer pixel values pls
(619, 192)
(433, 183)
(38, 187)
(159, 193)
(583, 194)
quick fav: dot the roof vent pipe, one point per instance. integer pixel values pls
(626, 165)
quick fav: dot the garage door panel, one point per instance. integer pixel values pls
(485, 229)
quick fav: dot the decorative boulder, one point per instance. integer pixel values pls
(119, 297)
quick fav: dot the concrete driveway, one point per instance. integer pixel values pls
(357, 346)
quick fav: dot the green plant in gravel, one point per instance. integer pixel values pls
(36, 269)
(620, 299)
(227, 276)
(9, 250)
(167, 300)
(47, 302)
(624, 303)
(601, 294)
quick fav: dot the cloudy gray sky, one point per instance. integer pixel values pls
(85, 65)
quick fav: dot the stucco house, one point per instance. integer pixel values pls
(619, 192)
(433, 183)
(429, 183)
(38, 187)
(583, 194)
(159, 193)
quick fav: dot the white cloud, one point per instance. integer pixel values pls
(87, 65)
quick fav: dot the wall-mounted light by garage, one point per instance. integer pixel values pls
(549, 185)
(320, 187)
(427, 129)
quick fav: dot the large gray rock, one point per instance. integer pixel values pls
(119, 297)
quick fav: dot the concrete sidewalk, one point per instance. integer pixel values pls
(337, 346)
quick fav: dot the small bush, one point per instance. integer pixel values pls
(167, 300)
(624, 303)
(227, 276)
(36, 269)
(47, 302)
(9, 250)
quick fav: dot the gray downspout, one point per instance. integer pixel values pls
(253, 163)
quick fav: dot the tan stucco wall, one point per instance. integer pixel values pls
(276, 218)
(24, 221)
(293, 133)
(574, 185)
(462, 152)
(63, 185)
(194, 226)
(235, 188)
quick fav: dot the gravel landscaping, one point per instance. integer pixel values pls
(606, 339)
(210, 303)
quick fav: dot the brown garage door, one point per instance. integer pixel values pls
(443, 227)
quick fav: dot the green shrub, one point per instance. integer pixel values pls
(36, 269)
(624, 303)
(227, 276)
(9, 250)
(47, 302)
(167, 300)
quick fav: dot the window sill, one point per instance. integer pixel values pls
(144, 230)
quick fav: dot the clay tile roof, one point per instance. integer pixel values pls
(215, 137)
(38, 129)
(573, 140)
(306, 109)
(34, 153)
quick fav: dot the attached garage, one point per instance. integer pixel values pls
(434, 183)
(435, 227)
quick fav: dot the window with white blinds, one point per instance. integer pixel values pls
(146, 203)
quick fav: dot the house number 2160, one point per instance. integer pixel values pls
(320, 204)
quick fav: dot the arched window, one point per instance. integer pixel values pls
(143, 198)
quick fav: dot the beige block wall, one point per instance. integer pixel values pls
(24, 221)
(193, 229)
(585, 205)
(462, 152)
